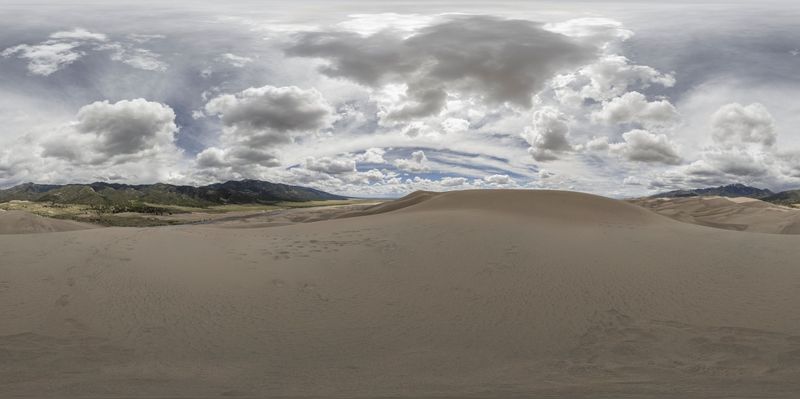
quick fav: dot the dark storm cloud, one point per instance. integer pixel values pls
(501, 60)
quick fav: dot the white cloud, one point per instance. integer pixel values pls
(372, 155)
(453, 181)
(600, 31)
(79, 34)
(643, 146)
(633, 107)
(135, 57)
(597, 144)
(370, 24)
(330, 166)
(417, 163)
(47, 57)
(455, 125)
(65, 47)
(734, 125)
(548, 136)
(236, 60)
(500, 180)
(609, 77)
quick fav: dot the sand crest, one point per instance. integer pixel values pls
(18, 222)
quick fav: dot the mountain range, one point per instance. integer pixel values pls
(737, 190)
(109, 194)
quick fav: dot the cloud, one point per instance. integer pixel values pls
(65, 47)
(134, 57)
(211, 158)
(500, 180)
(643, 146)
(499, 60)
(330, 166)
(372, 155)
(79, 34)
(455, 125)
(236, 60)
(115, 132)
(47, 57)
(597, 144)
(734, 125)
(548, 135)
(235, 157)
(257, 121)
(609, 77)
(633, 107)
(417, 162)
(453, 181)
(272, 110)
(601, 31)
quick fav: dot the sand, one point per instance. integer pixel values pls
(18, 222)
(741, 214)
(467, 294)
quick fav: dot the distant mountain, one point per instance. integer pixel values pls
(731, 190)
(108, 194)
(784, 198)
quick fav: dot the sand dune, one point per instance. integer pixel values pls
(467, 294)
(18, 222)
(741, 214)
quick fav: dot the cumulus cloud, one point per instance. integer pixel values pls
(644, 146)
(633, 107)
(548, 135)
(256, 121)
(455, 125)
(330, 165)
(597, 144)
(610, 76)
(417, 163)
(500, 60)
(453, 181)
(743, 150)
(500, 180)
(372, 155)
(115, 132)
(271, 110)
(734, 125)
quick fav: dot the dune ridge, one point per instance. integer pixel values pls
(740, 214)
(18, 222)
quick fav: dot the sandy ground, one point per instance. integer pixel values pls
(467, 294)
(741, 214)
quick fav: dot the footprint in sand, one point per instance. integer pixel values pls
(63, 300)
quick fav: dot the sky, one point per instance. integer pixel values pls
(378, 99)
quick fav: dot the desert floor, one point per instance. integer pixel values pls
(465, 294)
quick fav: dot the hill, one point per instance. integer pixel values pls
(790, 197)
(730, 190)
(113, 194)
